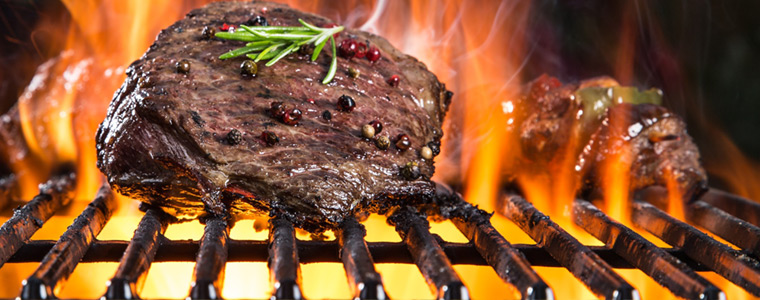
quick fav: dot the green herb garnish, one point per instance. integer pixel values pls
(596, 100)
(275, 42)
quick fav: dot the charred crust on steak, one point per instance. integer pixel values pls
(159, 141)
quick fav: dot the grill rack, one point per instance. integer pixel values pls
(732, 218)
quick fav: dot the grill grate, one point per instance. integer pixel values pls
(724, 214)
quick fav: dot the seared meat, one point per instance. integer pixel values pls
(598, 122)
(209, 141)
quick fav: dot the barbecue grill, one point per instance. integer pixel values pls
(732, 218)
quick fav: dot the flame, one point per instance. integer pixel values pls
(479, 48)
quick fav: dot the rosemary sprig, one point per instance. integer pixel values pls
(275, 42)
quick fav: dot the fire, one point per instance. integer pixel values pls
(480, 49)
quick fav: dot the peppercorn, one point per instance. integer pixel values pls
(346, 103)
(354, 73)
(361, 50)
(183, 66)
(403, 142)
(347, 48)
(249, 68)
(307, 49)
(145, 81)
(234, 137)
(277, 110)
(257, 21)
(435, 147)
(426, 153)
(377, 126)
(411, 171)
(394, 80)
(270, 138)
(327, 115)
(208, 32)
(292, 116)
(373, 54)
(382, 142)
(368, 131)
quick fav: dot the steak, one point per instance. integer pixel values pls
(597, 122)
(209, 140)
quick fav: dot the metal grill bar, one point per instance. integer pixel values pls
(60, 261)
(323, 251)
(208, 275)
(128, 281)
(729, 263)
(54, 194)
(730, 228)
(284, 268)
(583, 263)
(655, 262)
(363, 279)
(735, 230)
(432, 256)
(508, 262)
(739, 207)
(428, 255)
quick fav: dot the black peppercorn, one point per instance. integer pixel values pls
(234, 137)
(327, 115)
(435, 147)
(277, 110)
(411, 171)
(307, 49)
(292, 116)
(377, 125)
(403, 142)
(145, 81)
(183, 66)
(270, 138)
(249, 68)
(257, 21)
(346, 103)
(208, 32)
(382, 142)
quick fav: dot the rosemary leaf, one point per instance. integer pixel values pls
(333, 64)
(237, 52)
(254, 56)
(259, 44)
(276, 42)
(236, 36)
(267, 50)
(317, 50)
(288, 50)
(307, 25)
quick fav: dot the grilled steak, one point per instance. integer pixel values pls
(212, 140)
(598, 122)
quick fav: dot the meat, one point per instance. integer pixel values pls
(598, 123)
(208, 141)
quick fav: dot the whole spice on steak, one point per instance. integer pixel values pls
(314, 174)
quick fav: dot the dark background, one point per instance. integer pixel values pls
(705, 55)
